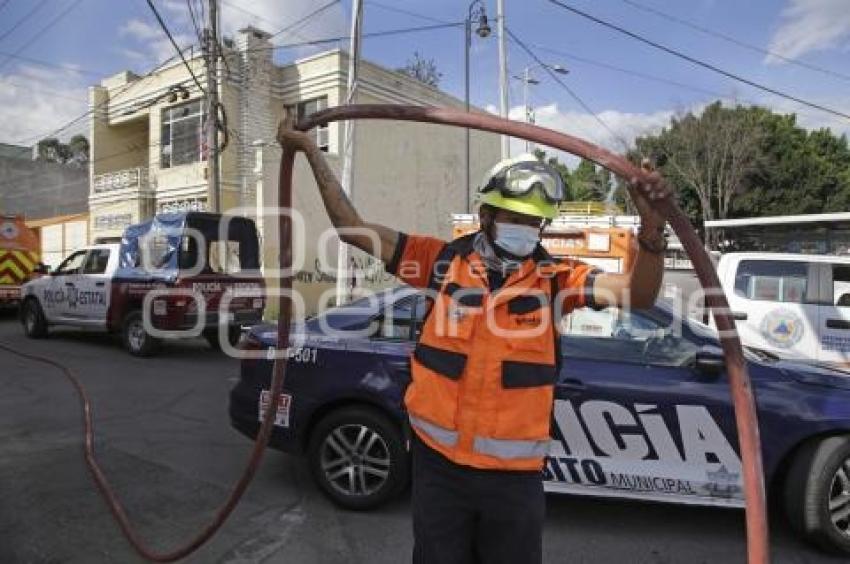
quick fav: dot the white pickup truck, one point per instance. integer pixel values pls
(105, 286)
(793, 305)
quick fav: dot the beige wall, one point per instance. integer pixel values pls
(407, 176)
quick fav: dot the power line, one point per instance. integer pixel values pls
(194, 21)
(734, 40)
(569, 90)
(699, 62)
(43, 30)
(339, 38)
(662, 80)
(23, 20)
(41, 90)
(85, 114)
(309, 16)
(624, 70)
(405, 12)
(174, 43)
(49, 64)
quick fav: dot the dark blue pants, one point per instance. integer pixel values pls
(463, 515)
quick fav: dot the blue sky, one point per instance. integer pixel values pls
(100, 37)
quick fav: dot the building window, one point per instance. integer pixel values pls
(309, 107)
(182, 135)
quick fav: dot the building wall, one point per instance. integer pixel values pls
(59, 237)
(408, 176)
(38, 189)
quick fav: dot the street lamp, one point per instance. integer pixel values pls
(527, 79)
(477, 12)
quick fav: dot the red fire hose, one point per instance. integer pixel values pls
(739, 380)
(757, 537)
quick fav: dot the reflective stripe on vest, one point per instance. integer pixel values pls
(508, 448)
(443, 436)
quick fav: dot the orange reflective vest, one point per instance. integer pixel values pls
(484, 368)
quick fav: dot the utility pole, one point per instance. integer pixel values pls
(211, 60)
(503, 74)
(483, 30)
(526, 80)
(343, 288)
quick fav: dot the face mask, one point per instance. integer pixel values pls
(518, 240)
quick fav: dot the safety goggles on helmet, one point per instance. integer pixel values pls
(521, 178)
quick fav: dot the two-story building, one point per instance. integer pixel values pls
(148, 152)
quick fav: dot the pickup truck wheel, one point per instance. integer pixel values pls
(817, 493)
(357, 457)
(32, 319)
(137, 341)
(234, 332)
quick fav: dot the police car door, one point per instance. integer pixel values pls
(92, 287)
(60, 287)
(634, 418)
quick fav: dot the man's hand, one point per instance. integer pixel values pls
(290, 137)
(647, 193)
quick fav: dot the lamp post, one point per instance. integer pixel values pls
(527, 79)
(476, 10)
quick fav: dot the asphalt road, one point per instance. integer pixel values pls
(164, 440)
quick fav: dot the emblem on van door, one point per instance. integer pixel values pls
(9, 230)
(782, 328)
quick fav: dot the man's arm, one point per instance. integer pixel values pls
(639, 287)
(342, 213)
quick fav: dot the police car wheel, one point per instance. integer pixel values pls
(817, 493)
(32, 318)
(357, 457)
(137, 341)
(234, 332)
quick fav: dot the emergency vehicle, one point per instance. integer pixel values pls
(641, 412)
(793, 305)
(19, 257)
(179, 274)
(605, 241)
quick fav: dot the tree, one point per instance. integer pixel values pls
(711, 156)
(76, 151)
(79, 149)
(50, 150)
(423, 70)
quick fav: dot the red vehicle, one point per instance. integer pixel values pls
(175, 275)
(18, 257)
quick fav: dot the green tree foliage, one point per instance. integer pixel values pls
(747, 161)
(727, 162)
(587, 182)
(423, 70)
(76, 151)
(79, 149)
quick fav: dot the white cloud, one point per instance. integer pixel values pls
(274, 15)
(811, 118)
(35, 102)
(149, 42)
(624, 126)
(810, 25)
(144, 40)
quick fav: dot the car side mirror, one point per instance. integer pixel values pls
(41, 268)
(710, 361)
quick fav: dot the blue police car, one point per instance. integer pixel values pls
(642, 411)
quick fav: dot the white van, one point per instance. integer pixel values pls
(792, 305)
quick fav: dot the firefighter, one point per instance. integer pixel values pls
(484, 367)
